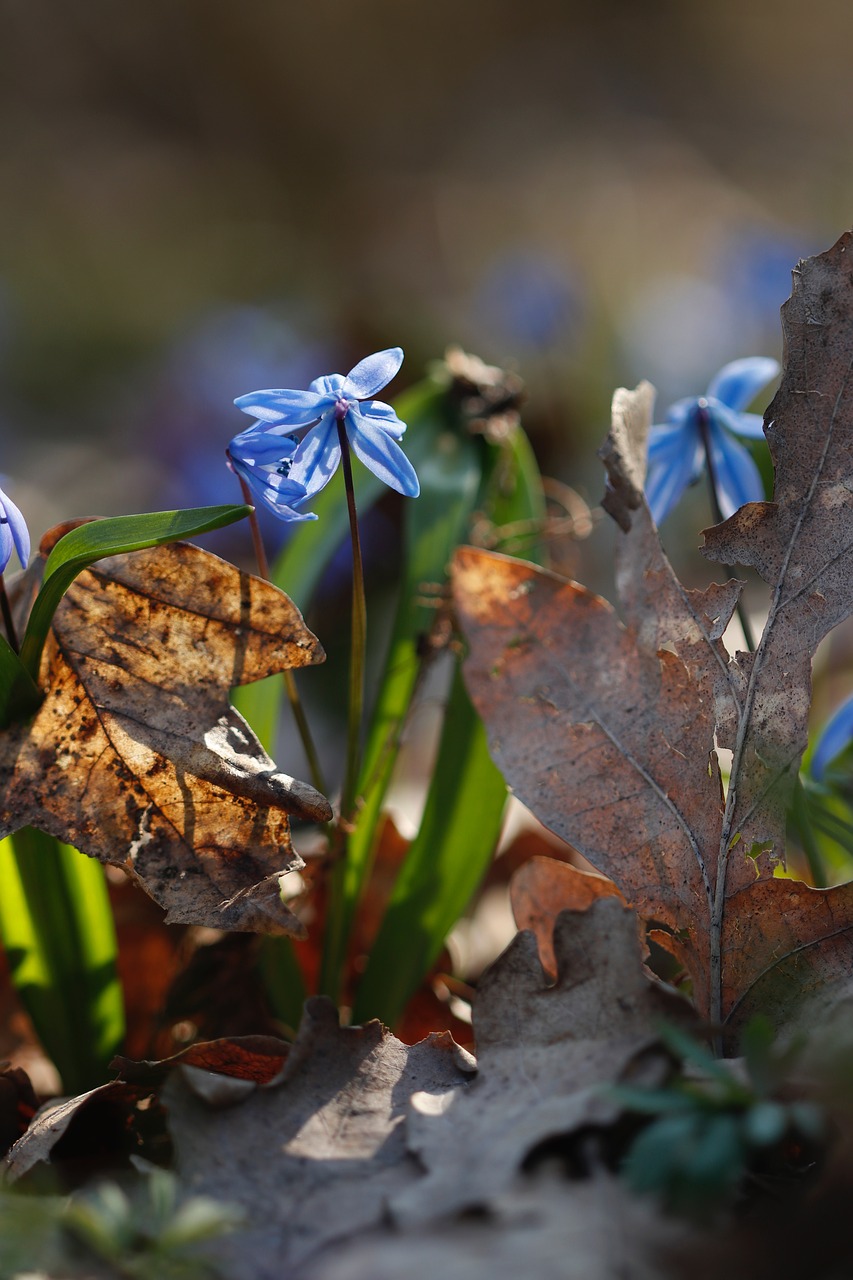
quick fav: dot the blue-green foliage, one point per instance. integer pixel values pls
(715, 1121)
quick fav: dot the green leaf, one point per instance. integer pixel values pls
(444, 865)
(98, 538)
(19, 694)
(57, 930)
(465, 804)
(434, 526)
(297, 571)
(765, 1123)
(283, 980)
(513, 500)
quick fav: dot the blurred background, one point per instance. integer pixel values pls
(203, 198)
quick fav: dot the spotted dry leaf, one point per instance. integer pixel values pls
(135, 756)
(607, 727)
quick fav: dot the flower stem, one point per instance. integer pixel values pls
(743, 617)
(359, 645)
(8, 620)
(337, 913)
(291, 690)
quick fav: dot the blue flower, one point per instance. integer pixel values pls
(835, 737)
(13, 533)
(262, 458)
(677, 448)
(293, 449)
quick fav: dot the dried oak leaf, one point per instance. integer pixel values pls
(543, 887)
(258, 1059)
(135, 756)
(314, 1158)
(96, 1131)
(544, 1227)
(607, 728)
(544, 1051)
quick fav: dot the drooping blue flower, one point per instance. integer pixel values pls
(677, 447)
(262, 458)
(14, 533)
(295, 435)
(835, 737)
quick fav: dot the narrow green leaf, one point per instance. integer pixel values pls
(283, 980)
(464, 810)
(57, 930)
(297, 570)
(513, 500)
(434, 526)
(98, 538)
(443, 868)
(19, 694)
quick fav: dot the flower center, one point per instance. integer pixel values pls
(342, 407)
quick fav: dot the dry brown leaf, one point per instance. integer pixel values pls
(135, 756)
(258, 1059)
(607, 729)
(544, 1053)
(314, 1158)
(596, 736)
(542, 888)
(95, 1131)
(546, 1228)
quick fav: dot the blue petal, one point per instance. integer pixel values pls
(278, 493)
(6, 545)
(737, 384)
(381, 454)
(291, 408)
(666, 441)
(384, 415)
(316, 460)
(676, 464)
(329, 385)
(750, 425)
(738, 478)
(263, 448)
(15, 527)
(680, 413)
(373, 373)
(836, 735)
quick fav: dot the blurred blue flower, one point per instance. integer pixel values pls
(296, 438)
(530, 300)
(13, 533)
(835, 737)
(677, 447)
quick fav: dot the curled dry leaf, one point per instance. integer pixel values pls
(97, 1130)
(258, 1059)
(314, 1158)
(542, 888)
(543, 1227)
(607, 728)
(543, 1054)
(135, 756)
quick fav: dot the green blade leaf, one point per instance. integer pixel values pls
(57, 930)
(451, 852)
(19, 694)
(98, 538)
(434, 525)
(445, 864)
